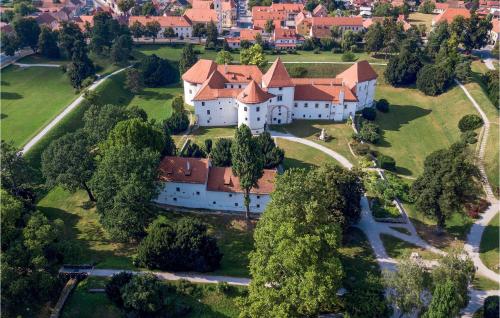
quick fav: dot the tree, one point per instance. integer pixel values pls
(444, 301)
(386, 162)
(382, 105)
(176, 123)
(208, 145)
(156, 71)
(369, 113)
(27, 31)
(47, 43)
(10, 43)
(253, 56)
(24, 8)
(199, 30)
(121, 49)
(438, 37)
(212, 35)
(148, 8)
(273, 155)
(433, 79)
(193, 150)
(104, 31)
(269, 26)
(477, 32)
(221, 153)
(185, 246)
(458, 268)
(374, 38)
(152, 29)
(447, 180)
(336, 32)
(295, 268)
(68, 162)
(178, 104)
(81, 67)
(406, 286)
(463, 71)
(491, 307)
(427, 7)
(369, 132)
(248, 164)
(11, 212)
(133, 80)
(100, 120)
(137, 29)
(69, 36)
(16, 175)
(402, 69)
(188, 58)
(470, 122)
(125, 5)
(135, 133)
(223, 57)
(124, 206)
(349, 39)
(169, 33)
(144, 294)
(115, 285)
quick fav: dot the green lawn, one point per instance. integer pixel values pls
(206, 301)
(489, 250)
(483, 283)
(298, 155)
(173, 52)
(341, 133)
(31, 98)
(93, 245)
(203, 133)
(417, 125)
(399, 249)
(417, 18)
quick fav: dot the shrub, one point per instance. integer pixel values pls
(433, 79)
(114, 286)
(361, 149)
(463, 71)
(369, 113)
(184, 246)
(470, 122)
(156, 71)
(382, 105)
(187, 288)
(491, 79)
(298, 71)
(386, 162)
(88, 81)
(176, 123)
(144, 295)
(369, 132)
(491, 307)
(316, 50)
(469, 137)
(222, 288)
(348, 57)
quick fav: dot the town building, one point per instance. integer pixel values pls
(321, 26)
(181, 25)
(195, 183)
(450, 14)
(224, 95)
(284, 39)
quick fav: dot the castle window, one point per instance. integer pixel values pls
(258, 108)
(230, 195)
(345, 106)
(214, 203)
(202, 103)
(244, 108)
(281, 88)
(175, 199)
(258, 197)
(258, 118)
(239, 86)
(280, 98)
(319, 116)
(305, 105)
(236, 204)
(316, 105)
(190, 92)
(258, 205)
(197, 192)
(295, 104)
(177, 189)
(327, 105)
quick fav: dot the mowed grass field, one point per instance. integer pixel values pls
(489, 249)
(298, 155)
(31, 98)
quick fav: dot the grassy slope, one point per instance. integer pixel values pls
(489, 249)
(31, 98)
(399, 249)
(301, 156)
(417, 18)
(211, 303)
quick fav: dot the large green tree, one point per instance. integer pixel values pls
(295, 268)
(144, 294)
(221, 152)
(449, 178)
(80, 67)
(444, 301)
(68, 162)
(248, 163)
(100, 120)
(374, 38)
(121, 49)
(69, 35)
(273, 155)
(212, 35)
(253, 56)
(402, 69)
(16, 175)
(47, 43)
(27, 31)
(188, 58)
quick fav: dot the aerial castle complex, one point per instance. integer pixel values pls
(225, 95)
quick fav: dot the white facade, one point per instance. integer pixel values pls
(196, 196)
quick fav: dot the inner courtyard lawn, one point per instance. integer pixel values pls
(416, 124)
(200, 134)
(399, 249)
(489, 249)
(31, 97)
(302, 156)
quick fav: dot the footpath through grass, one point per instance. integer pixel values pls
(489, 249)
(205, 301)
(298, 155)
(31, 97)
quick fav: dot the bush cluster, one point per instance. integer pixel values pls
(470, 122)
(382, 105)
(386, 162)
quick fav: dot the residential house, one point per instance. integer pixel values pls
(181, 25)
(450, 14)
(321, 26)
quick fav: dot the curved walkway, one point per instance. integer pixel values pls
(65, 112)
(37, 65)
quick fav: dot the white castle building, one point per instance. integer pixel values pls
(225, 95)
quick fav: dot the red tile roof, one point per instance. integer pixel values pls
(202, 4)
(249, 34)
(277, 75)
(201, 15)
(222, 179)
(287, 7)
(323, 93)
(284, 34)
(165, 21)
(199, 72)
(185, 170)
(253, 94)
(317, 81)
(450, 14)
(496, 25)
(359, 72)
(320, 26)
(240, 73)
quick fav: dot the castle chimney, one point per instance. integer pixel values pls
(188, 168)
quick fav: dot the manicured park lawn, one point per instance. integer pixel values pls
(200, 134)
(341, 133)
(93, 245)
(31, 98)
(207, 302)
(489, 250)
(399, 249)
(416, 124)
(417, 18)
(298, 155)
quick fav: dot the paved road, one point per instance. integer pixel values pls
(6, 60)
(192, 277)
(65, 112)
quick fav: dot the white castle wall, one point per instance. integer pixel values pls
(220, 112)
